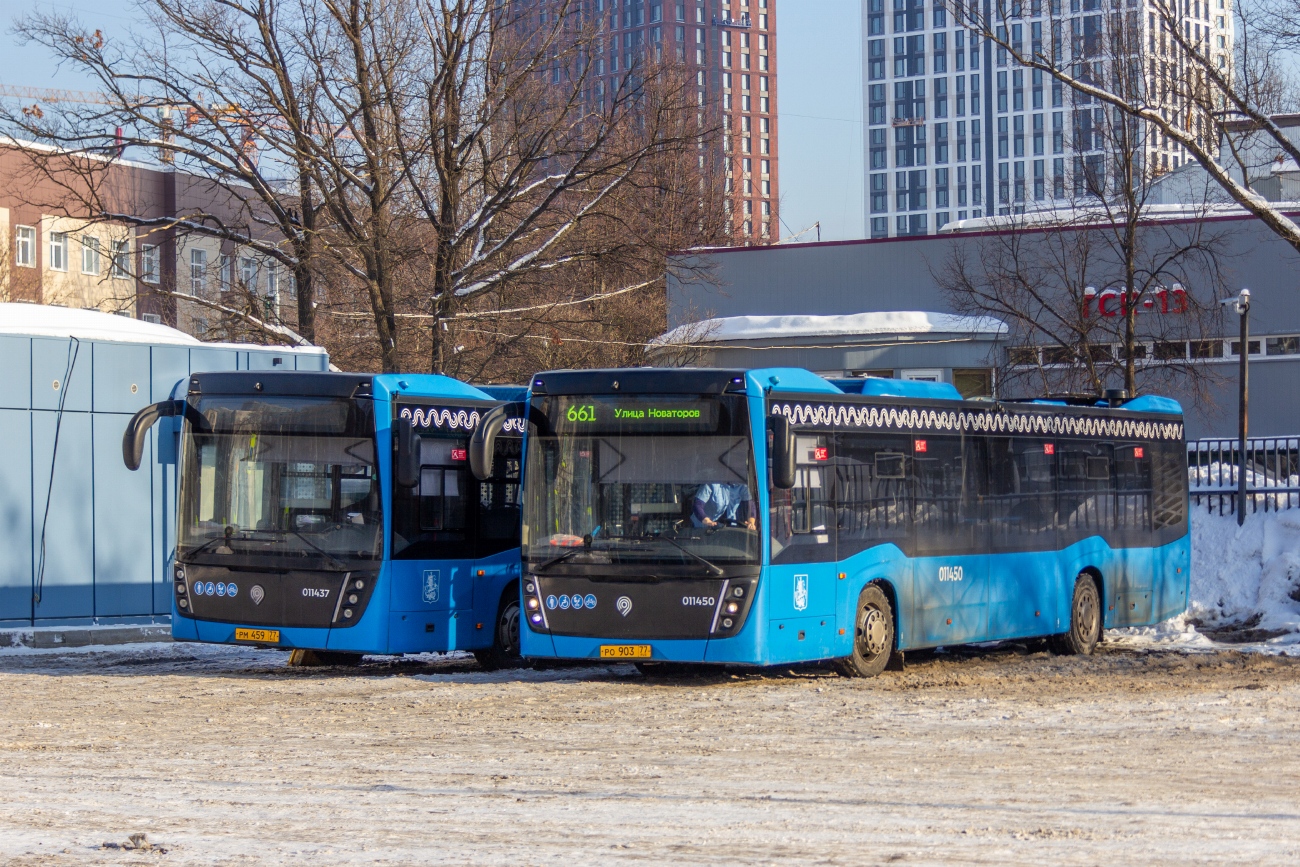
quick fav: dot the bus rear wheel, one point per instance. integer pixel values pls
(504, 652)
(1085, 620)
(873, 635)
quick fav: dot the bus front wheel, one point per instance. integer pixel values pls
(504, 652)
(873, 635)
(1085, 619)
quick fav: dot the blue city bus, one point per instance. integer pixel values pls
(772, 516)
(334, 514)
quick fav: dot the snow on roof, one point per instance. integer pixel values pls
(848, 325)
(42, 320)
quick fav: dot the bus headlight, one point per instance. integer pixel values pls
(533, 602)
(732, 607)
(180, 572)
(183, 603)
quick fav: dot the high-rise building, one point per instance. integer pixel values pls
(729, 48)
(956, 129)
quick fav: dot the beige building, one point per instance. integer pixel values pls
(53, 250)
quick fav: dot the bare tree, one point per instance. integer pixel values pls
(443, 157)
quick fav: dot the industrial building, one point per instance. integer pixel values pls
(802, 305)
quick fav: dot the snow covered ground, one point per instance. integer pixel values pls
(991, 756)
(1245, 588)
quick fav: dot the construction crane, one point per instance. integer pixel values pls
(54, 95)
(248, 143)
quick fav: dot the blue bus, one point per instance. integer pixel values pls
(334, 514)
(772, 516)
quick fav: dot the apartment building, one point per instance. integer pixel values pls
(955, 129)
(53, 252)
(729, 48)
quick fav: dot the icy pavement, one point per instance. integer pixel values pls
(1000, 756)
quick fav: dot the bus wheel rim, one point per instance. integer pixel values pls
(873, 632)
(1085, 613)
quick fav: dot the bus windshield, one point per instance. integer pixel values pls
(665, 480)
(284, 478)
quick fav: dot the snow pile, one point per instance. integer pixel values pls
(1244, 580)
(884, 322)
(1239, 573)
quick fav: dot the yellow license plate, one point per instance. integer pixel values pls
(625, 651)
(268, 636)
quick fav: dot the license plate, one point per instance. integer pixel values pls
(625, 651)
(267, 636)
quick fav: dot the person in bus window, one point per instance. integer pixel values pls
(720, 503)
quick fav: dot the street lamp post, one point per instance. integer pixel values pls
(1242, 305)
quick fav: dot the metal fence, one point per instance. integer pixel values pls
(1272, 473)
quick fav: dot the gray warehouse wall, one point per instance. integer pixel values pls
(900, 274)
(108, 532)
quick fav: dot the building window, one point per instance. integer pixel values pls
(149, 263)
(25, 246)
(120, 251)
(248, 273)
(58, 251)
(976, 382)
(89, 255)
(225, 272)
(273, 279)
(198, 271)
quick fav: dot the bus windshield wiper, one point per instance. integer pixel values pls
(206, 545)
(560, 558)
(714, 567)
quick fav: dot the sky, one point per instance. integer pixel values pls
(819, 100)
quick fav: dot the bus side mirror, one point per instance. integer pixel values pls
(782, 452)
(483, 444)
(406, 458)
(138, 426)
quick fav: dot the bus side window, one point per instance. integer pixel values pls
(443, 477)
(873, 489)
(1169, 487)
(945, 522)
(1085, 493)
(1133, 486)
(802, 519)
(1021, 506)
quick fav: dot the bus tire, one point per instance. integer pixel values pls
(504, 652)
(873, 635)
(300, 658)
(1085, 620)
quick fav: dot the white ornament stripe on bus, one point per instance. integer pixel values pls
(912, 419)
(453, 418)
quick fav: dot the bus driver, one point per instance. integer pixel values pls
(719, 503)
